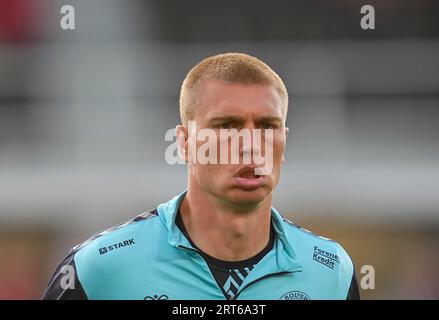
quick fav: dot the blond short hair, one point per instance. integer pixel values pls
(228, 67)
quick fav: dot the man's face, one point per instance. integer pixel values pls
(223, 106)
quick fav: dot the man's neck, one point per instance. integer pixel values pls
(223, 232)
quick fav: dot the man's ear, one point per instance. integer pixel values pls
(182, 142)
(287, 130)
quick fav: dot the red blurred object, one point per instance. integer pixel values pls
(20, 20)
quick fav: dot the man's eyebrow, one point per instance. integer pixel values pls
(231, 118)
(269, 119)
(226, 118)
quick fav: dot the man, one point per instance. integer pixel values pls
(221, 238)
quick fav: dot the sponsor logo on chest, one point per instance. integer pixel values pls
(326, 258)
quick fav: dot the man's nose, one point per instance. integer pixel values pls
(250, 150)
(253, 145)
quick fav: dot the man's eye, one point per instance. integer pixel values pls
(267, 126)
(226, 125)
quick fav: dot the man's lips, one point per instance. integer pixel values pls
(245, 178)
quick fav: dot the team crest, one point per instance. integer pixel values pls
(295, 295)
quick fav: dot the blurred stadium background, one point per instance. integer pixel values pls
(83, 116)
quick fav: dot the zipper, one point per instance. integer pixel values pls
(261, 278)
(242, 289)
(211, 274)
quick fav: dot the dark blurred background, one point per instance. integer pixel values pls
(84, 112)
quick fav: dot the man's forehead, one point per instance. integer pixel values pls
(219, 99)
(214, 87)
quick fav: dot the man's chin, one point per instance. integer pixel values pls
(246, 197)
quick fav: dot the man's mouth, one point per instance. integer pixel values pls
(248, 174)
(246, 178)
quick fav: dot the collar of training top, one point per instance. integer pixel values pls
(282, 257)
